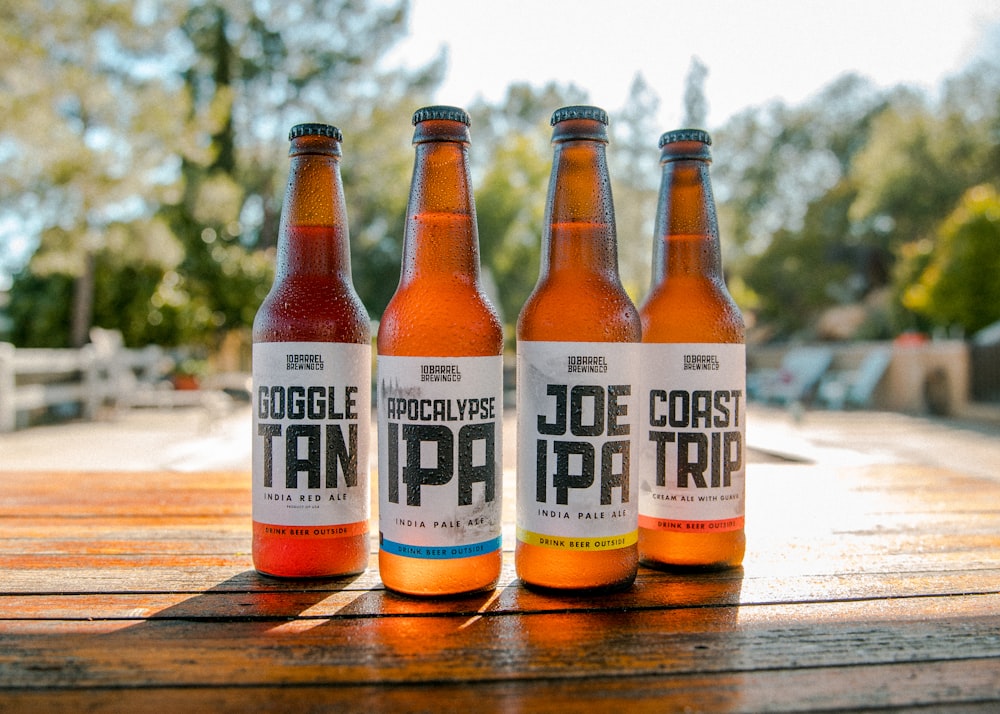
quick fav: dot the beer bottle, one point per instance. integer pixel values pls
(576, 370)
(311, 381)
(691, 444)
(440, 384)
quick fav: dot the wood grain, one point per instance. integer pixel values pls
(863, 587)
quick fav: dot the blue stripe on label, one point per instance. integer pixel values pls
(440, 552)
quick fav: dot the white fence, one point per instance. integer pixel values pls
(101, 373)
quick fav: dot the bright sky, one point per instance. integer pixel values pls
(755, 50)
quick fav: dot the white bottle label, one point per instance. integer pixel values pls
(692, 441)
(440, 429)
(311, 430)
(576, 421)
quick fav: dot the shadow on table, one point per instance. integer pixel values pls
(336, 643)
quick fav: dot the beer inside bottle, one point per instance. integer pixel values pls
(312, 382)
(692, 438)
(576, 378)
(440, 384)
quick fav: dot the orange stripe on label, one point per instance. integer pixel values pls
(675, 526)
(339, 530)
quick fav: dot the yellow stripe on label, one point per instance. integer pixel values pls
(577, 543)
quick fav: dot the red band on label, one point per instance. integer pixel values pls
(675, 526)
(339, 530)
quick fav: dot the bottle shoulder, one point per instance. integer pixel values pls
(691, 311)
(312, 310)
(579, 311)
(429, 320)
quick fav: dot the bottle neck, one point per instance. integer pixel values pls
(580, 223)
(687, 228)
(441, 237)
(313, 237)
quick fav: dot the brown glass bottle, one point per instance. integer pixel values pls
(312, 381)
(691, 510)
(440, 379)
(576, 505)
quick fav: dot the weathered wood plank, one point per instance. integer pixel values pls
(458, 648)
(862, 588)
(122, 527)
(247, 595)
(966, 686)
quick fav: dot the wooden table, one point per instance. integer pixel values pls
(862, 587)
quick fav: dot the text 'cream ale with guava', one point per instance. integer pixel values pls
(692, 437)
(577, 412)
(312, 381)
(440, 384)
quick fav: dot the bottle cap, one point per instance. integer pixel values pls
(441, 111)
(579, 111)
(326, 130)
(676, 135)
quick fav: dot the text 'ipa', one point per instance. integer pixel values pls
(440, 384)
(577, 411)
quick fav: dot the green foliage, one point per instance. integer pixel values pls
(838, 201)
(784, 192)
(511, 160)
(83, 132)
(376, 169)
(795, 274)
(770, 163)
(914, 168)
(958, 284)
(143, 163)
(41, 305)
(144, 154)
(267, 69)
(633, 162)
(510, 215)
(40, 309)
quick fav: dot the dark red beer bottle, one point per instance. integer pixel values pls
(440, 384)
(576, 371)
(691, 503)
(312, 381)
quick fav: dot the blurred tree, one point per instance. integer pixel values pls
(798, 273)
(771, 162)
(511, 160)
(695, 101)
(840, 200)
(162, 133)
(919, 162)
(377, 168)
(911, 172)
(261, 69)
(633, 161)
(784, 191)
(525, 109)
(959, 285)
(83, 154)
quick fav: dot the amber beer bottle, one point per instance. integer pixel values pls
(576, 370)
(311, 381)
(440, 384)
(691, 491)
